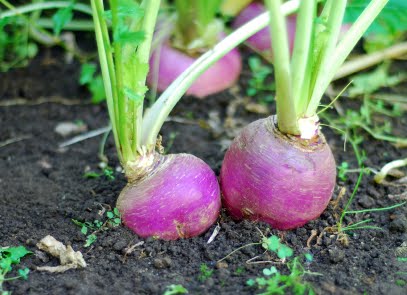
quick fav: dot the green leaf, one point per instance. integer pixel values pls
(175, 289)
(392, 19)
(61, 18)
(15, 253)
(123, 37)
(24, 273)
(97, 90)
(370, 82)
(109, 214)
(308, 257)
(284, 252)
(273, 243)
(90, 240)
(84, 230)
(91, 174)
(116, 212)
(88, 70)
(270, 271)
(251, 282)
(5, 265)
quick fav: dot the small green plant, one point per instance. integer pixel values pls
(205, 273)
(23, 27)
(275, 282)
(401, 282)
(274, 245)
(15, 47)
(239, 270)
(259, 83)
(11, 256)
(342, 170)
(175, 289)
(106, 172)
(93, 82)
(91, 228)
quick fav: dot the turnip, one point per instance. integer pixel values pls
(281, 170)
(180, 42)
(261, 41)
(167, 196)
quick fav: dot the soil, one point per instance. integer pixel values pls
(42, 188)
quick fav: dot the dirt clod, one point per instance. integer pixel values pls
(336, 255)
(399, 224)
(161, 263)
(366, 201)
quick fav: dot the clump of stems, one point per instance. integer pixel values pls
(196, 25)
(302, 80)
(124, 65)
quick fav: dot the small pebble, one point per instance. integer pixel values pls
(336, 255)
(161, 263)
(221, 265)
(119, 245)
(69, 128)
(366, 201)
(398, 225)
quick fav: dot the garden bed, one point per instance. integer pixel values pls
(42, 188)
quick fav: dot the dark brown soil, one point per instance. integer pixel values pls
(42, 188)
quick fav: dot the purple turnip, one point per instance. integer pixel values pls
(280, 170)
(269, 176)
(170, 62)
(167, 197)
(177, 197)
(182, 39)
(261, 41)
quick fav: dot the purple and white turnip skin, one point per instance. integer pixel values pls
(172, 62)
(178, 197)
(271, 177)
(261, 41)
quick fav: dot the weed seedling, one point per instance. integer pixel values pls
(11, 256)
(258, 82)
(91, 228)
(93, 82)
(106, 172)
(239, 270)
(205, 274)
(342, 170)
(175, 289)
(275, 282)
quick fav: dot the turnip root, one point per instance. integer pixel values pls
(272, 177)
(175, 196)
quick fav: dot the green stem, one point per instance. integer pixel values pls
(350, 199)
(143, 52)
(46, 5)
(74, 25)
(286, 112)
(155, 117)
(301, 53)
(375, 209)
(343, 49)
(333, 16)
(107, 67)
(122, 99)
